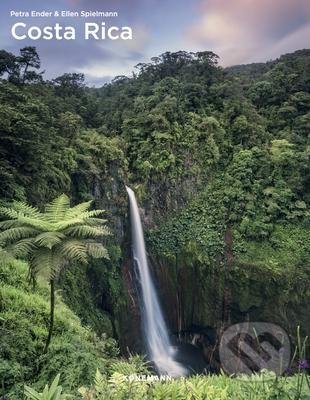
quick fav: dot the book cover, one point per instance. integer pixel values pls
(154, 199)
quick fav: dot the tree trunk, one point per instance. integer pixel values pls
(24, 74)
(52, 310)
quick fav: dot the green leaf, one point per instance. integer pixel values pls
(97, 250)
(56, 210)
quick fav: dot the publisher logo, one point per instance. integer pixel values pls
(253, 346)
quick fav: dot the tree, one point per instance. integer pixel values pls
(69, 84)
(8, 65)
(16, 68)
(29, 58)
(52, 239)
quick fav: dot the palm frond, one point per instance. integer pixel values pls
(86, 231)
(97, 250)
(13, 234)
(56, 210)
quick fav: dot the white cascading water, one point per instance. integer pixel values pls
(160, 349)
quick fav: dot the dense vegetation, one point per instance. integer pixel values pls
(117, 386)
(219, 159)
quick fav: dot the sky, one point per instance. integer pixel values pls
(239, 31)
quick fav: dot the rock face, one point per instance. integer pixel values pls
(191, 296)
(129, 315)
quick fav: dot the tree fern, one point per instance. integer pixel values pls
(52, 238)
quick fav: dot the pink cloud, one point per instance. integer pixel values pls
(244, 30)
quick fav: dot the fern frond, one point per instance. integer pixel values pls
(74, 250)
(100, 382)
(82, 219)
(22, 220)
(92, 213)
(95, 221)
(9, 212)
(85, 231)
(52, 238)
(97, 250)
(9, 223)
(46, 262)
(77, 210)
(62, 225)
(26, 209)
(20, 209)
(49, 239)
(36, 223)
(58, 263)
(56, 210)
(13, 234)
(41, 261)
(23, 248)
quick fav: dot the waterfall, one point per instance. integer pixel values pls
(160, 350)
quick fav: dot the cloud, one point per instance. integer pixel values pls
(120, 57)
(298, 39)
(244, 30)
(126, 9)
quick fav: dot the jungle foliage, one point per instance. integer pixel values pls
(219, 159)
